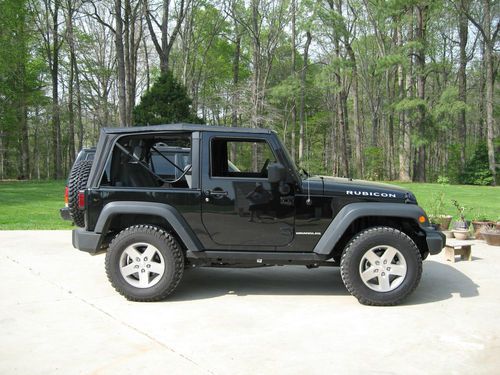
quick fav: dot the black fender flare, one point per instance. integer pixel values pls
(165, 211)
(351, 212)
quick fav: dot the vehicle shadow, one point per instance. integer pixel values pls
(200, 283)
(439, 282)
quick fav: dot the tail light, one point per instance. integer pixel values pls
(81, 199)
(66, 196)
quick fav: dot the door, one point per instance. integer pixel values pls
(240, 207)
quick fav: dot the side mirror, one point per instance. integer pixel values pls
(276, 173)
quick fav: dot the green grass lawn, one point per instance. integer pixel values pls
(35, 205)
(481, 201)
(32, 205)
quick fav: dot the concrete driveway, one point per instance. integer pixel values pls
(59, 314)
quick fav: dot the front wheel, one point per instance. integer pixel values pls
(381, 266)
(144, 263)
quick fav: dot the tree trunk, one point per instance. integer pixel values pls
(405, 144)
(71, 115)
(358, 152)
(56, 120)
(462, 79)
(25, 152)
(236, 80)
(128, 24)
(256, 121)
(71, 83)
(303, 75)
(490, 81)
(482, 91)
(421, 12)
(164, 56)
(120, 62)
(293, 72)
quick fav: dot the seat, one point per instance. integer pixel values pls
(135, 175)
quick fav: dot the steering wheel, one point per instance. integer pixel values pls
(264, 167)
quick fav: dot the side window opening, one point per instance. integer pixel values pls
(240, 158)
(150, 161)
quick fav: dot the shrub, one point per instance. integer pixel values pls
(165, 102)
(476, 171)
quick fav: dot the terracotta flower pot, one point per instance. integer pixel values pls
(461, 234)
(492, 239)
(440, 222)
(445, 221)
(477, 225)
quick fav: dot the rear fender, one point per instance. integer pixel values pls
(165, 211)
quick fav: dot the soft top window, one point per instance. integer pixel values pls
(150, 161)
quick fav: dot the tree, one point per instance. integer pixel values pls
(489, 32)
(48, 26)
(19, 85)
(166, 102)
(164, 45)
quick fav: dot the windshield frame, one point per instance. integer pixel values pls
(292, 168)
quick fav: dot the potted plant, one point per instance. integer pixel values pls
(461, 226)
(491, 234)
(437, 218)
(461, 223)
(480, 220)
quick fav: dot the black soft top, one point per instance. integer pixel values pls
(182, 127)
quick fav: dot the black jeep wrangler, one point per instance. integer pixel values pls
(232, 197)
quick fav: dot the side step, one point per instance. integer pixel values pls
(259, 258)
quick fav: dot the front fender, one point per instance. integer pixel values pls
(348, 214)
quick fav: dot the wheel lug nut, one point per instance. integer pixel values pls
(377, 262)
(136, 266)
(376, 270)
(145, 259)
(138, 259)
(388, 268)
(383, 273)
(385, 262)
(143, 270)
(148, 265)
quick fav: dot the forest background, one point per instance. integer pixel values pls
(395, 90)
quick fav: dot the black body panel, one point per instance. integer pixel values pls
(220, 215)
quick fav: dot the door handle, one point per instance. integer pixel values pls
(217, 193)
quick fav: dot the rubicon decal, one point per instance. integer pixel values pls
(370, 194)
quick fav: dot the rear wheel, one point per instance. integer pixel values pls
(77, 181)
(144, 263)
(381, 266)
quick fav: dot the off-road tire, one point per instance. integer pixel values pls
(77, 181)
(166, 245)
(356, 250)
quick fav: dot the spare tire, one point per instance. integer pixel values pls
(77, 181)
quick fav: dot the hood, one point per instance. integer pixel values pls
(349, 188)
